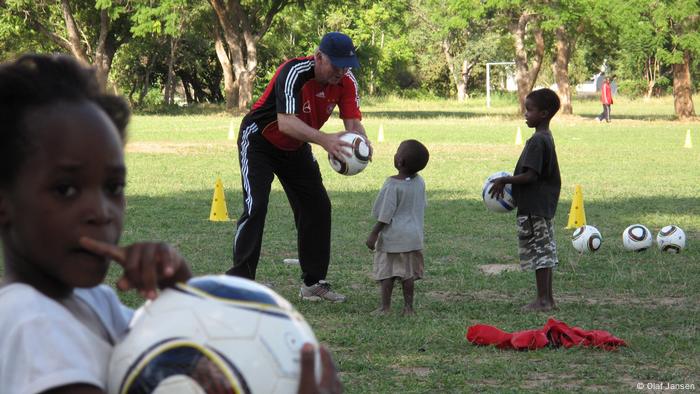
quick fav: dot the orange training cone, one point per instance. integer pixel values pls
(218, 213)
(577, 214)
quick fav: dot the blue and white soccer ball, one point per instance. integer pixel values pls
(213, 333)
(637, 238)
(587, 239)
(506, 203)
(671, 239)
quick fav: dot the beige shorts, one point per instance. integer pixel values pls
(405, 265)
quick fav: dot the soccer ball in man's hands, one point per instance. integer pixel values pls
(671, 239)
(636, 238)
(505, 203)
(358, 159)
(586, 239)
(214, 334)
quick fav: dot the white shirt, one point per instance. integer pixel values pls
(401, 205)
(45, 344)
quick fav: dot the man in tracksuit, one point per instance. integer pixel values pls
(274, 139)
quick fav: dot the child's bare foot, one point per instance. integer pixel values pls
(408, 311)
(540, 306)
(380, 312)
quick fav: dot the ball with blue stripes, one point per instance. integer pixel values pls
(505, 203)
(215, 334)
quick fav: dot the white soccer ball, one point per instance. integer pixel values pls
(637, 238)
(506, 203)
(671, 239)
(586, 239)
(359, 155)
(214, 332)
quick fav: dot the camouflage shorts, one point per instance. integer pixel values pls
(536, 246)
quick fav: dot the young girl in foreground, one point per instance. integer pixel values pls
(62, 177)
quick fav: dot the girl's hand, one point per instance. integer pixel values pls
(147, 266)
(330, 382)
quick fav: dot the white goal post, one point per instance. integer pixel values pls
(488, 79)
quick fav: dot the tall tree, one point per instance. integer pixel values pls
(240, 27)
(463, 34)
(92, 31)
(683, 19)
(522, 19)
(566, 20)
(168, 19)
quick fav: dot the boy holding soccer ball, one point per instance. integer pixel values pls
(397, 237)
(62, 202)
(536, 185)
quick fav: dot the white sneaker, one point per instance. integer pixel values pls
(320, 291)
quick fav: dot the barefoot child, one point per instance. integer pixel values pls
(536, 185)
(62, 177)
(397, 237)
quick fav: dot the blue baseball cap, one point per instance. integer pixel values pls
(339, 48)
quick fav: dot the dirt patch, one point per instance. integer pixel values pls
(418, 371)
(178, 148)
(625, 300)
(495, 269)
(480, 295)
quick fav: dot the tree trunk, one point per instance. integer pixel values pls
(241, 27)
(525, 74)
(561, 69)
(651, 70)
(683, 88)
(464, 80)
(230, 86)
(451, 66)
(245, 89)
(169, 94)
(150, 63)
(76, 47)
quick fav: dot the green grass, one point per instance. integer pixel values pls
(633, 170)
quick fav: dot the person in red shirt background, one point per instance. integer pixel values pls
(606, 99)
(274, 140)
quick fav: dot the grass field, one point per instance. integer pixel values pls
(633, 170)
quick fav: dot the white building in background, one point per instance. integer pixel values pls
(593, 85)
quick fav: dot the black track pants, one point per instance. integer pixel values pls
(300, 177)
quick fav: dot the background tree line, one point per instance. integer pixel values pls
(224, 51)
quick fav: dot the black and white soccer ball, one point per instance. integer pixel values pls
(358, 159)
(587, 239)
(671, 239)
(637, 238)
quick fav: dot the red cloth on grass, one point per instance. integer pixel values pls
(554, 333)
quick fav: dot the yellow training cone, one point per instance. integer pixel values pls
(518, 137)
(577, 214)
(380, 135)
(218, 213)
(688, 142)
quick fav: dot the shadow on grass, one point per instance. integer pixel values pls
(454, 229)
